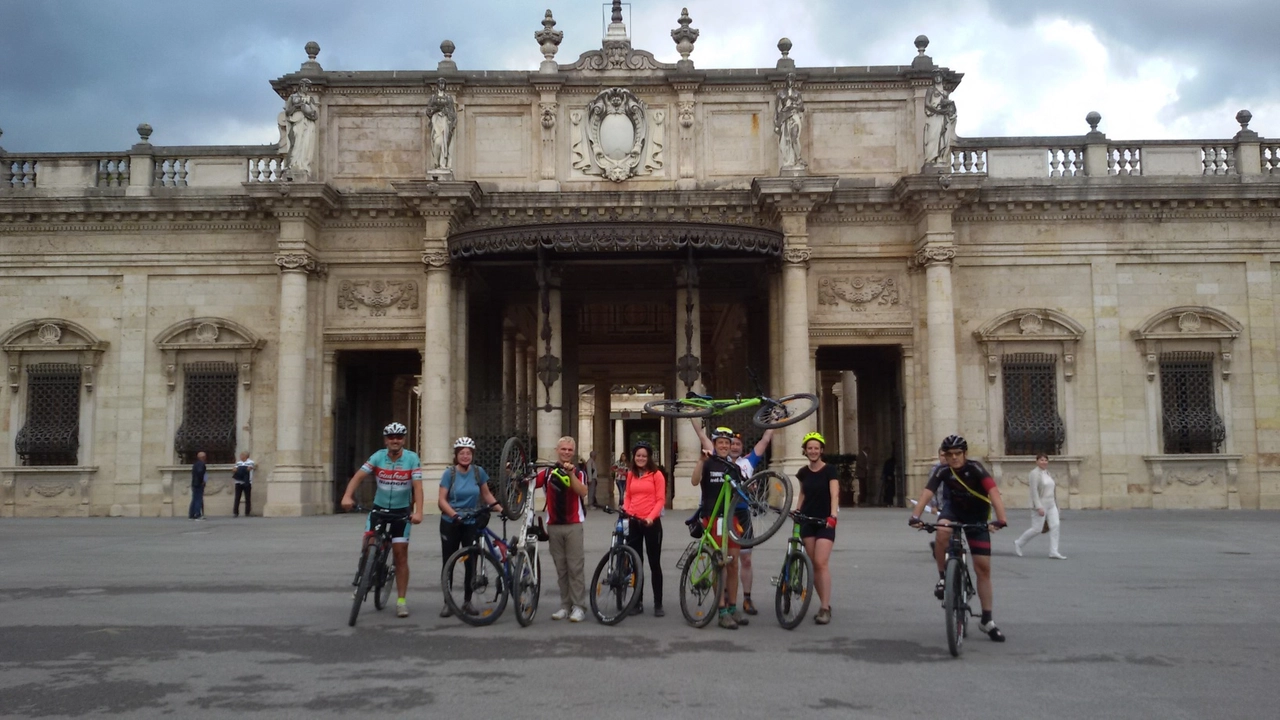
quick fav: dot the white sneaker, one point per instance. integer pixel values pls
(1017, 548)
(577, 615)
(560, 614)
(1057, 556)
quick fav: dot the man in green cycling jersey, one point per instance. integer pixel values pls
(399, 476)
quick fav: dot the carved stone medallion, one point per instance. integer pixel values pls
(206, 332)
(1030, 324)
(1188, 322)
(617, 133)
(858, 291)
(378, 295)
(49, 334)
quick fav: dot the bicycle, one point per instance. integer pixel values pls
(618, 582)
(957, 582)
(380, 574)
(767, 496)
(795, 581)
(770, 413)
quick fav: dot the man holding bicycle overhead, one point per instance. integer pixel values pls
(712, 471)
(748, 464)
(399, 477)
(972, 495)
(566, 486)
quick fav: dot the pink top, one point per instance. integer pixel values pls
(646, 495)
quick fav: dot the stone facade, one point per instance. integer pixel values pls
(500, 263)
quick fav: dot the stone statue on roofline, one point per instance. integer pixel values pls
(299, 128)
(939, 123)
(442, 117)
(788, 122)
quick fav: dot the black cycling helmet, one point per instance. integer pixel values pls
(641, 444)
(954, 442)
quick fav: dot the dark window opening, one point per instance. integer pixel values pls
(208, 413)
(1031, 422)
(51, 435)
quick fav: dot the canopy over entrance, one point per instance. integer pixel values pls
(615, 237)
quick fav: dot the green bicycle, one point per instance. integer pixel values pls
(770, 413)
(753, 512)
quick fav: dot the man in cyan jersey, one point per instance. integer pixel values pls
(399, 476)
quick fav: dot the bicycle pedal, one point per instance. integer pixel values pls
(774, 580)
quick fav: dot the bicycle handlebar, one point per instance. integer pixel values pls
(933, 527)
(800, 519)
(620, 513)
(400, 513)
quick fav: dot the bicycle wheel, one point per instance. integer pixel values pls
(785, 411)
(527, 584)
(362, 590)
(473, 586)
(953, 605)
(384, 580)
(617, 585)
(795, 590)
(677, 409)
(511, 489)
(700, 588)
(768, 497)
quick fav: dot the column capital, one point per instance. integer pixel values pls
(935, 255)
(797, 255)
(302, 262)
(435, 259)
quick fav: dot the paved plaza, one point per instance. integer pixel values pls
(1155, 614)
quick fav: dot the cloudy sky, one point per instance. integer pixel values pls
(79, 75)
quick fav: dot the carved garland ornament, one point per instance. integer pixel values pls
(858, 291)
(617, 133)
(378, 295)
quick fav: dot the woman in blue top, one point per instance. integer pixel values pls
(462, 487)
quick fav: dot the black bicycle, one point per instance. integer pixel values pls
(957, 588)
(795, 582)
(377, 570)
(618, 583)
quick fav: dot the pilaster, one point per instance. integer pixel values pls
(686, 112)
(549, 409)
(688, 324)
(549, 120)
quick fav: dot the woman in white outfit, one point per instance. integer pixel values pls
(1046, 508)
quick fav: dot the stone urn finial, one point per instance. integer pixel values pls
(685, 37)
(446, 48)
(784, 47)
(1093, 118)
(144, 134)
(1244, 117)
(922, 61)
(549, 42)
(312, 48)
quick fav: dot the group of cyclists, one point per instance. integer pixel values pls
(961, 489)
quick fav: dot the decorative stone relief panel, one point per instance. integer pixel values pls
(859, 291)
(617, 137)
(377, 296)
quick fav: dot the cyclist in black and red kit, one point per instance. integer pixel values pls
(971, 497)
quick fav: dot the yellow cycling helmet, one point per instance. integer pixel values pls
(813, 436)
(722, 432)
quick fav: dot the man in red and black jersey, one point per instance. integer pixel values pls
(972, 495)
(566, 486)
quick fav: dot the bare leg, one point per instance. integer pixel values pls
(400, 553)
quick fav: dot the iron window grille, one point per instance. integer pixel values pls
(1031, 421)
(1190, 418)
(51, 435)
(208, 413)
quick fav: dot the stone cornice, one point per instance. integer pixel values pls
(792, 194)
(289, 200)
(929, 192)
(439, 198)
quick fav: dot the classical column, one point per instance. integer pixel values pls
(437, 367)
(530, 389)
(944, 415)
(797, 371)
(508, 376)
(550, 387)
(619, 439)
(600, 443)
(688, 379)
(460, 374)
(288, 491)
(849, 442)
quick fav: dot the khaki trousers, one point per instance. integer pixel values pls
(566, 553)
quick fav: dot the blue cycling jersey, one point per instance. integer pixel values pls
(395, 478)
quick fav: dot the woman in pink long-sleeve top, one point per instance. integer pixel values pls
(646, 497)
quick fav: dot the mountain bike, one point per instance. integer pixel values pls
(795, 581)
(618, 582)
(957, 583)
(770, 413)
(376, 571)
(767, 499)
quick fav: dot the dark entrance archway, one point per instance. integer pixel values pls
(371, 389)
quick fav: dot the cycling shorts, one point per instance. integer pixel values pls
(979, 540)
(399, 528)
(822, 532)
(717, 532)
(742, 517)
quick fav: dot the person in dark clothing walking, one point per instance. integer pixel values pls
(199, 477)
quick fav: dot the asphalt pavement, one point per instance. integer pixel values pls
(1154, 614)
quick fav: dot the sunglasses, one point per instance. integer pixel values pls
(954, 453)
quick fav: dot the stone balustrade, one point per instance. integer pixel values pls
(1271, 159)
(196, 168)
(1124, 160)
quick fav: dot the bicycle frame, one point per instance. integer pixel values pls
(721, 406)
(720, 511)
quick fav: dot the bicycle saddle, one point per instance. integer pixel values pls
(691, 395)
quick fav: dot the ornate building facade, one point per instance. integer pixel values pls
(471, 252)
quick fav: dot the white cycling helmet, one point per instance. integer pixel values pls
(395, 428)
(464, 442)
